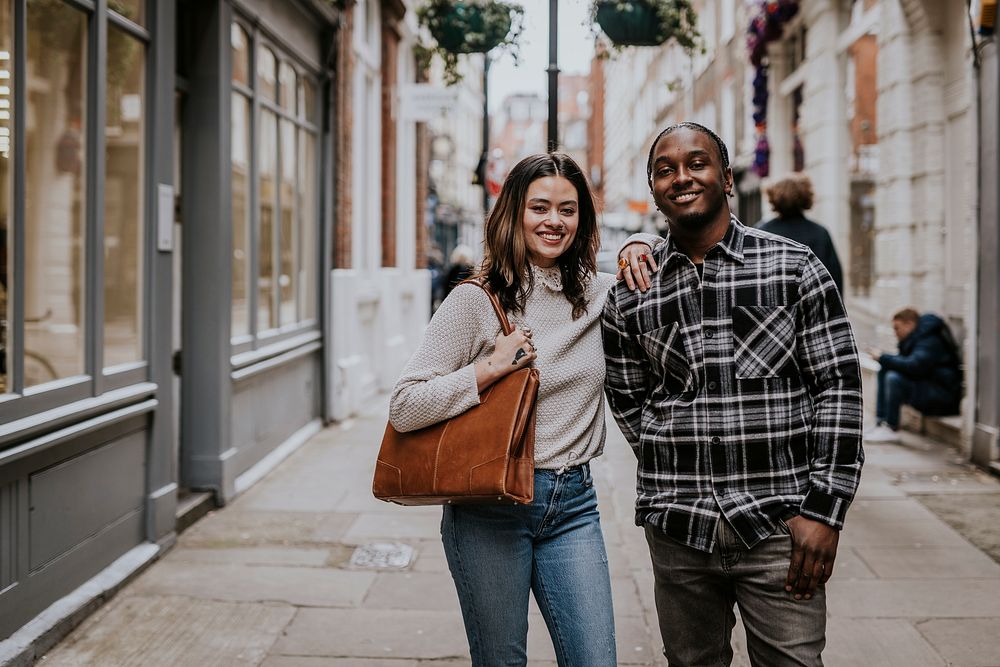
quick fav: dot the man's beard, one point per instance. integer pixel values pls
(695, 221)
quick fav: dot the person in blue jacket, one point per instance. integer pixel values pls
(926, 374)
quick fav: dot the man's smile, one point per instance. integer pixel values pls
(683, 197)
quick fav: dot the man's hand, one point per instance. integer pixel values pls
(635, 263)
(814, 548)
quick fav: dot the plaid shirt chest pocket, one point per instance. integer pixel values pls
(764, 341)
(665, 348)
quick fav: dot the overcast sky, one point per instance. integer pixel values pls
(576, 46)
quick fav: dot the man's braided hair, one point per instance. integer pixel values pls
(723, 152)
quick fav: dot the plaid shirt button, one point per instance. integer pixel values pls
(716, 440)
(709, 333)
(711, 385)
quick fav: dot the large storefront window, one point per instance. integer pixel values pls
(284, 265)
(56, 301)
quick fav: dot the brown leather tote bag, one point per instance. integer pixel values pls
(484, 455)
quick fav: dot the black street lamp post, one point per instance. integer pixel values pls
(553, 70)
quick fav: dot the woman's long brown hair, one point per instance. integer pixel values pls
(506, 264)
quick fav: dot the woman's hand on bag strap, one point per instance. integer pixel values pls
(635, 264)
(510, 353)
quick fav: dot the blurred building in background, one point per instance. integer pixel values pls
(883, 103)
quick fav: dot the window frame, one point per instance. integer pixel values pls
(21, 404)
(259, 344)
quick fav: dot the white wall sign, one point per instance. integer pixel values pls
(422, 102)
(165, 218)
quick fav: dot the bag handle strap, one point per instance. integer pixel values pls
(497, 308)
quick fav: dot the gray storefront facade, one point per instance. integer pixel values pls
(165, 231)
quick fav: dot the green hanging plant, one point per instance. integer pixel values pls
(648, 22)
(469, 26)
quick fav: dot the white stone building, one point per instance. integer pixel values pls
(877, 101)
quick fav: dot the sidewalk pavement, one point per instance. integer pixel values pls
(269, 580)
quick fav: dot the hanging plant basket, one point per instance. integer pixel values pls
(469, 26)
(647, 22)
(460, 27)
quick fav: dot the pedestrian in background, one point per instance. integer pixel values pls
(736, 381)
(790, 197)
(462, 267)
(925, 374)
(541, 240)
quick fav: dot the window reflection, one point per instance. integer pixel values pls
(241, 213)
(267, 74)
(307, 105)
(240, 43)
(307, 282)
(124, 200)
(289, 230)
(267, 191)
(6, 184)
(55, 151)
(286, 79)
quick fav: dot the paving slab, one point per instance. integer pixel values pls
(888, 510)
(236, 527)
(173, 631)
(850, 565)
(375, 633)
(912, 598)
(433, 591)
(301, 586)
(900, 534)
(877, 643)
(400, 525)
(965, 642)
(252, 556)
(929, 562)
(977, 517)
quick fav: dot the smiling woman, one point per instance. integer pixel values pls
(551, 216)
(541, 242)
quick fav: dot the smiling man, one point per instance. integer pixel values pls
(735, 379)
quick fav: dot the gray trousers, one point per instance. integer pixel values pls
(695, 593)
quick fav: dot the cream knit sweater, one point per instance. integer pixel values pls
(439, 382)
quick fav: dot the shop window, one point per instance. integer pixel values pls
(6, 191)
(282, 263)
(267, 75)
(241, 146)
(240, 184)
(72, 273)
(862, 237)
(267, 192)
(124, 177)
(56, 148)
(240, 45)
(798, 151)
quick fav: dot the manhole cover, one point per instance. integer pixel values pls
(382, 555)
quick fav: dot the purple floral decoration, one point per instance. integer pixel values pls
(766, 25)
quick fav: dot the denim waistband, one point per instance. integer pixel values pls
(582, 469)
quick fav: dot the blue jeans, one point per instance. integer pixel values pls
(553, 547)
(894, 389)
(695, 593)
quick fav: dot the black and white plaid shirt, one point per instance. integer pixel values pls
(740, 391)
